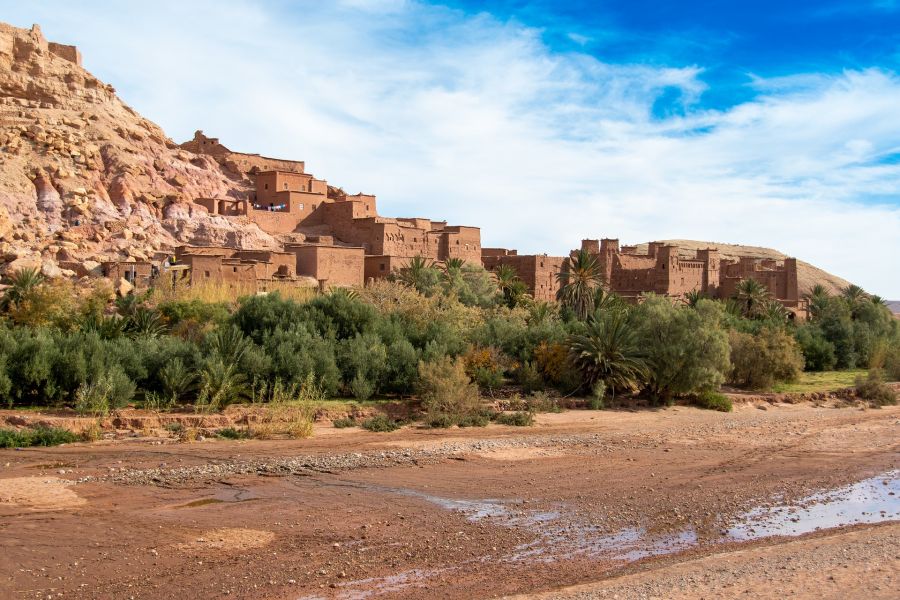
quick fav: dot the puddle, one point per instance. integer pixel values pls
(871, 500)
(560, 535)
(201, 502)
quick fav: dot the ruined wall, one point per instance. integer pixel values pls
(239, 162)
(537, 271)
(69, 53)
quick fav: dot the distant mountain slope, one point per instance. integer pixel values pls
(807, 274)
(894, 305)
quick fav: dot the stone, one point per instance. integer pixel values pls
(123, 288)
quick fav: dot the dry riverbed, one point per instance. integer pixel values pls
(792, 500)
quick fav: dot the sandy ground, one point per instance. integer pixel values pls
(623, 504)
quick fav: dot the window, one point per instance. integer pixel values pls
(301, 206)
(285, 185)
(267, 186)
(234, 269)
(381, 266)
(206, 273)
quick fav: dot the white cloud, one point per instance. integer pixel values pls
(475, 120)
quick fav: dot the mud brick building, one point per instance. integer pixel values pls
(286, 201)
(666, 271)
(538, 271)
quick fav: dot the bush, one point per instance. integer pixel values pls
(361, 388)
(686, 349)
(892, 363)
(381, 424)
(597, 400)
(344, 423)
(230, 433)
(36, 436)
(515, 419)
(713, 401)
(445, 389)
(761, 361)
(818, 352)
(541, 402)
(874, 389)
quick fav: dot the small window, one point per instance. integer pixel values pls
(267, 186)
(234, 269)
(381, 266)
(301, 206)
(206, 273)
(285, 185)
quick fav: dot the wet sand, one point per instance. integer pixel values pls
(585, 497)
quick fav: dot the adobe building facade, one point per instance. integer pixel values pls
(349, 241)
(665, 271)
(537, 271)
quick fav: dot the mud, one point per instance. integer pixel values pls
(584, 497)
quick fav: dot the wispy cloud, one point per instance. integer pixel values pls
(475, 119)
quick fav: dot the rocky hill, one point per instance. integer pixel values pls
(807, 274)
(83, 176)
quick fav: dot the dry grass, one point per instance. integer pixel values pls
(226, 293)
(291, 420)
(825, 381)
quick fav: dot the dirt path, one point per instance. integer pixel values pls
(583, 496)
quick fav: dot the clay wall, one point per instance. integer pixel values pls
(538, 272)
(240, 162)
(379, 266)
(137, 273)
(70, 53)
(334, 266)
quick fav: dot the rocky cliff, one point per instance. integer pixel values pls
(84, 177)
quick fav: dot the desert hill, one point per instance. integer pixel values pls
(807, 275)
(83, 177)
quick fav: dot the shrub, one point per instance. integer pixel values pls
(761, 361)
(529, 377)
(686, 349)
(608, 350)
(221, 384)
(713, 401)
(446, 389)
(892, 363)
(874, 389)
(541, 402)
(110, 390)
(818, 352)
(380, 423)
(344, 423)
(230, 433)
(36, 436)
(361, 388)
(515, 419)
(479, 418)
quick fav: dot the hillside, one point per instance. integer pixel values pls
(808, 275)
(83, 177)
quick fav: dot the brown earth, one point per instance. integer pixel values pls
(466, 513)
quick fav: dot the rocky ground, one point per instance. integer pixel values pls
(633, 504)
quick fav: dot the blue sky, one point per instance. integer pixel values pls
(764, 123)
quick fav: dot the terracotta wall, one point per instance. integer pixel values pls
(337, 266)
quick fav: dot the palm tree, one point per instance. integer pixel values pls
(818, 298)
(692, 297)
(775, 312)
(453, 268)
(608, 352)
(145, 322)
(878, 300)
(21, 284)
(752, 297)
(539, 312)
(228, 344)
(579, 282)
(853, 294)
(510, 286)
(415, 274)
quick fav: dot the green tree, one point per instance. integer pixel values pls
(752, 297)
(22, 284)
(608, 352)
(686, 350)
(578, 282)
